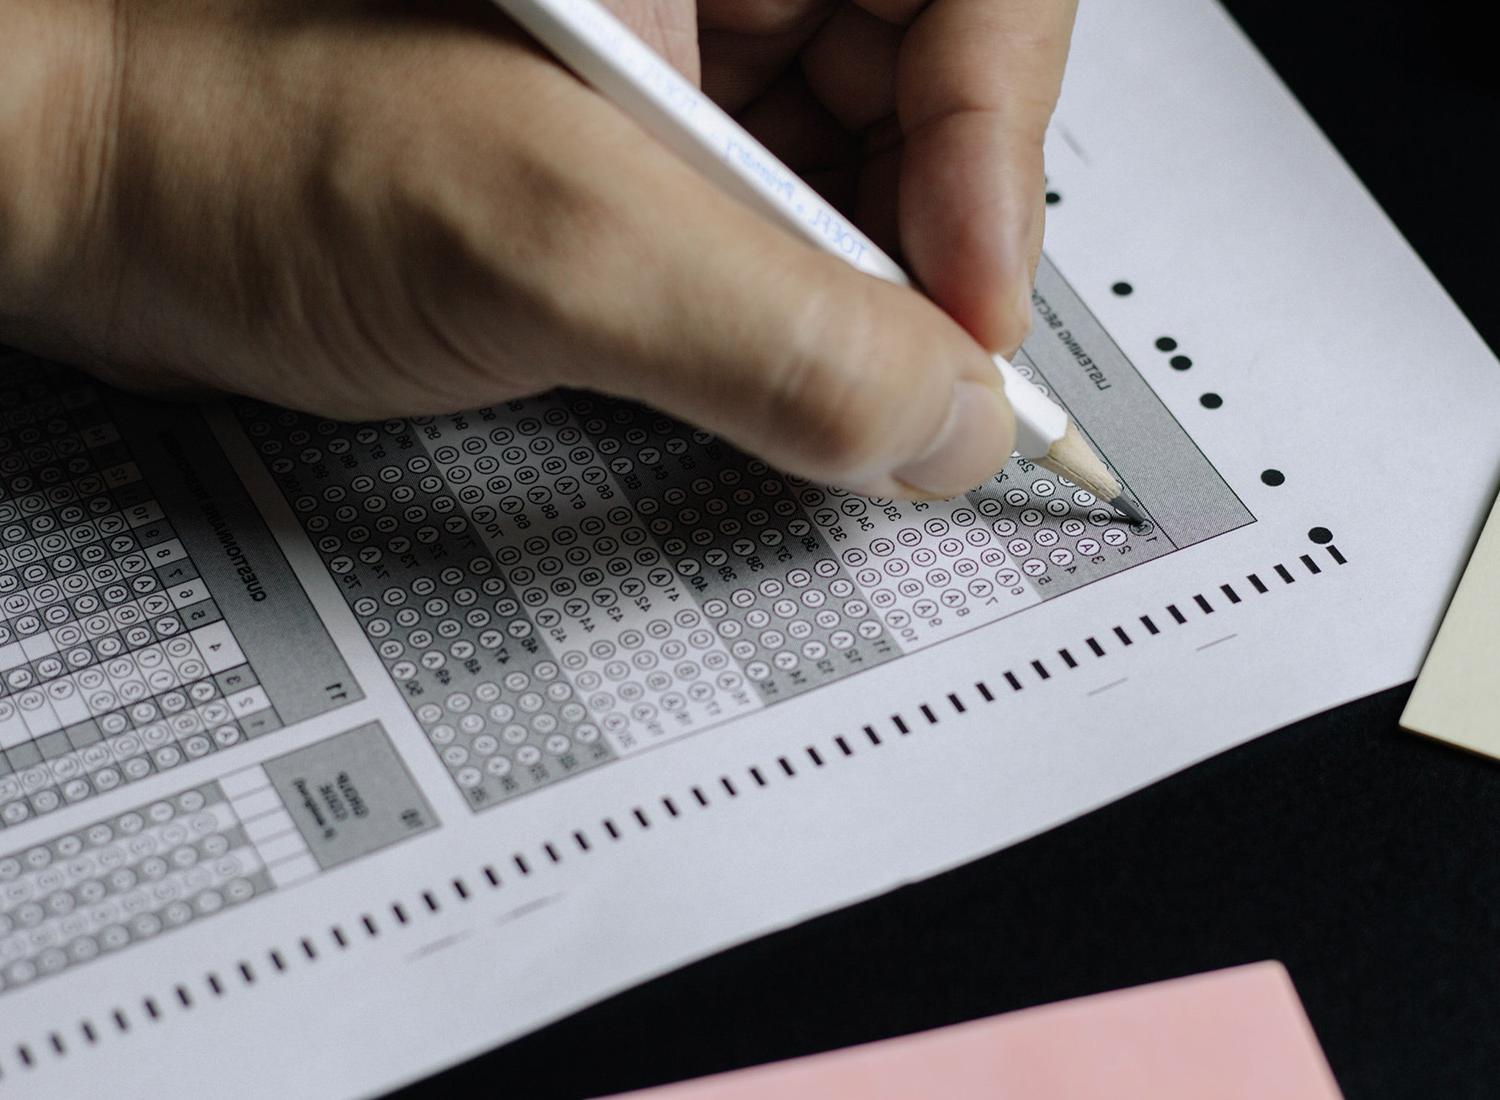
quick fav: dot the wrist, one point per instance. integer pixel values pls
(57, 94)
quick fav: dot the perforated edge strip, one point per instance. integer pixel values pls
(19, 1059)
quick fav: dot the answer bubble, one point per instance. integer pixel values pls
(1320, 535)
(1180, 362)
(1211, 401)
(1272, 477)
(1123, 289)
(1166, 343)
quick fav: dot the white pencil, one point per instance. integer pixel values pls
(606, 54)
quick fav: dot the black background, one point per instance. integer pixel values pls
(1367, 860)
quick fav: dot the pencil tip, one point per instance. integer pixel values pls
(1122, 505)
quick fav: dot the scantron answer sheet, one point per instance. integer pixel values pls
(334, 753)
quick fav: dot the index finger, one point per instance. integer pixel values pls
(976, 84)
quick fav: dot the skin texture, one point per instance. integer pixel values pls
(368, 209)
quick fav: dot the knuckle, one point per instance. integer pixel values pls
(830, 404)
(559, 254)
(533, 273)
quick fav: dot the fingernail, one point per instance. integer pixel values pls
(1020, 317)
(1017, 252)
(972, 444)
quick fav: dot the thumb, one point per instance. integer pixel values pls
(787, 352)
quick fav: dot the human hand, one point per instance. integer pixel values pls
(368, 209)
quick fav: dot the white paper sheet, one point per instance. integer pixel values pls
(237, 848)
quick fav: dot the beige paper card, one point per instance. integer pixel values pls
(1457, 697)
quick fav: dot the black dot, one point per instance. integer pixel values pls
(1320, 535)
(1272, 477)
(1053, 198)
(1122, 289)
(1180, 362)
(1166, 343)
(1210, 401)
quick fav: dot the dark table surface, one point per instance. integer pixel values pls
(1366, 859)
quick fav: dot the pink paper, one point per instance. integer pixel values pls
(1237, 1034)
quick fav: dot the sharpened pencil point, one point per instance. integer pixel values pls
(1128, 510)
